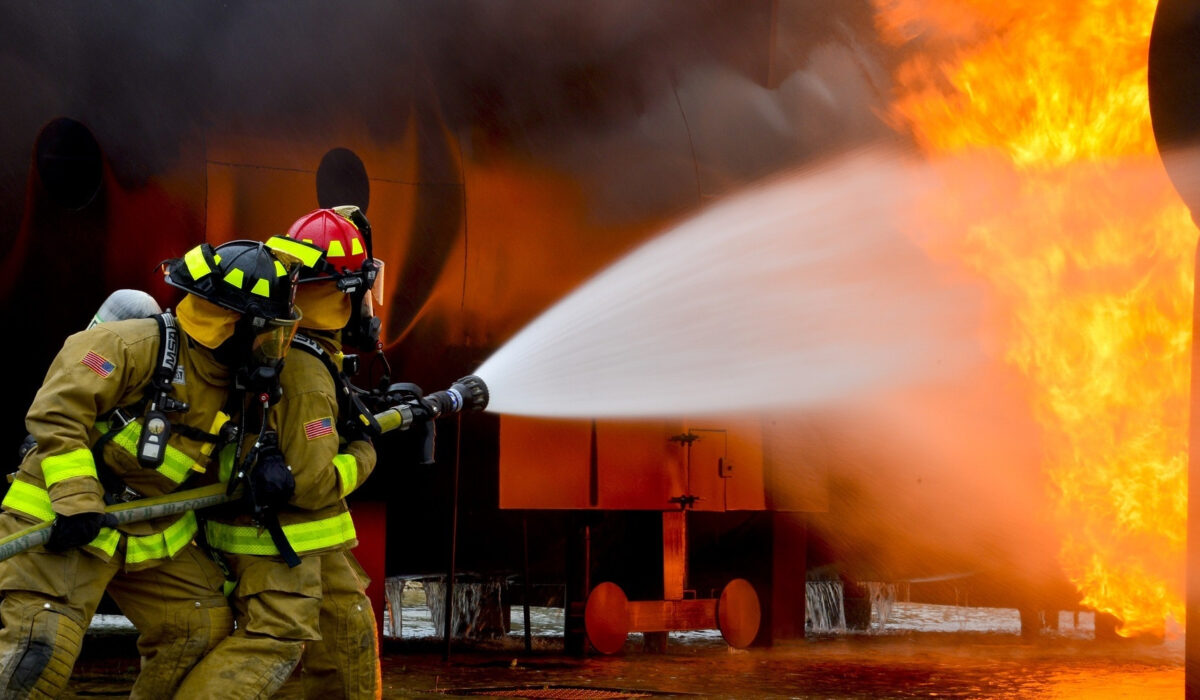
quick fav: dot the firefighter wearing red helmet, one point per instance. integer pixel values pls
(316, 604)
(131, 409)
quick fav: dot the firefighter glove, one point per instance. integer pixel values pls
(70, 531)
(271, 480)
(352, 431)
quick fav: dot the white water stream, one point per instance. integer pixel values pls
(794, 292)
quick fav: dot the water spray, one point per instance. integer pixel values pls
(797, 292)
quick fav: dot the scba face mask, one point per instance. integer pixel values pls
(257, 351)
(270, 343)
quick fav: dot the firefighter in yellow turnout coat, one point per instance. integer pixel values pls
(98, 396)
(318, 607)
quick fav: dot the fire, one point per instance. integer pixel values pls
(1059, 201)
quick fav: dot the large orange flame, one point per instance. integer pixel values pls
(1060, 202)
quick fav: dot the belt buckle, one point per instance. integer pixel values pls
(120, 418)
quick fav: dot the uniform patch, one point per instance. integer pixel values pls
(318, 428)
(98, 364)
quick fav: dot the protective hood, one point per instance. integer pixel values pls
(208, 324)
(323, 306)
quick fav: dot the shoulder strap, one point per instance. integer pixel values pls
(350, 409)
(168, 355)
(151, 448)
(340, 384)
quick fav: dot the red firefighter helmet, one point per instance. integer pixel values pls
(335, 244)
(344, 245)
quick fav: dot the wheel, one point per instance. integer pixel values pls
(738, 613)
(606, 618)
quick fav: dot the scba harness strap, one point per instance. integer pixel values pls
(350, 408)
(153, 432)
(156, 430)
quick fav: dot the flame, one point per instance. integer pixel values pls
(1058, 200)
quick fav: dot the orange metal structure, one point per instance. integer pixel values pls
(653, 466)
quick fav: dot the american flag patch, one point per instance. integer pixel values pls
(98, 364)
(318, 428)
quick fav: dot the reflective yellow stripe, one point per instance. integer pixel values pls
(356, 247)
(206, 449)
(262, 288)
(176, 464)
(307, 254)
(336, 250)
(347, 469)
(29, 499)
(280, 270)
(56, 468)
(35, 501)
(161, 545)
(304, 537)
(106, 541)
(235, 277)
(197, 266)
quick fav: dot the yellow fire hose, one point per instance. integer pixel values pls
(131, 512)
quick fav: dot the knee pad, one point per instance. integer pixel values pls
(40, 664)
(208, 627)
(171, 649)
(350, 667)
(360, 625)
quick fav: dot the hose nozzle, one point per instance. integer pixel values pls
(468, 394)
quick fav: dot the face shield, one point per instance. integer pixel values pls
(376, 297)
(271, 342)
(374, 294)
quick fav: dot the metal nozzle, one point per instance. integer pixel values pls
(467, 394)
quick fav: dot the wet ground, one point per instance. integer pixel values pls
(922, 652)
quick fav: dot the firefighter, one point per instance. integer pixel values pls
(316, 605)
(131, 409)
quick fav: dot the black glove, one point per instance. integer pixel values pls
(28, 444)
(70, 531)
(271, 480)
(352, 431)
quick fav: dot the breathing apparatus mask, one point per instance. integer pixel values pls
(363, 329)
(256, 351)
(367, 291)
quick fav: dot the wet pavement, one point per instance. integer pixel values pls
(958, 665)
(882, 665)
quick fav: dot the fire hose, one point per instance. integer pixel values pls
(406, 406)
(131, 512)
(468, 393)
